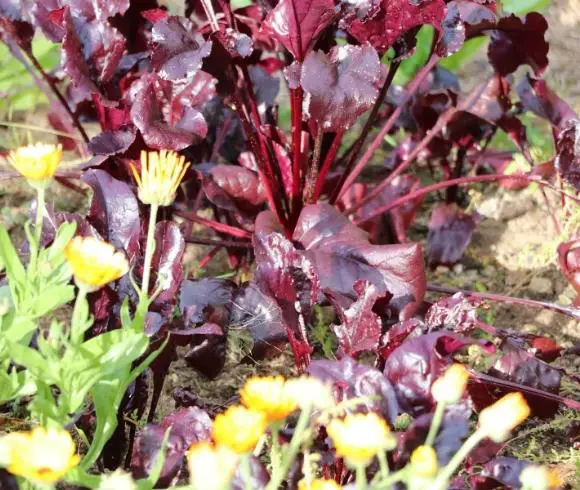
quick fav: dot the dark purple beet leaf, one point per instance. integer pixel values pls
(342, 255)
(352, 380)
(568, 154)
(341, 85)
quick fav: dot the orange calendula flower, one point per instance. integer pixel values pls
(211, 466)
(499, 419)
(424, 461)
(450, 386)
(358, 438)
(266, 394)
(318, 484)
(42, 455)
(161, 174)
(94, 263)
(239, 428)
(37, 163)
(540, 478)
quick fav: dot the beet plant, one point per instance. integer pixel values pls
(277, 131)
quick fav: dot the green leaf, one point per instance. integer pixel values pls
(520, 7)
(14, 268)
(411, 65)
(457, 60)
(53, 298)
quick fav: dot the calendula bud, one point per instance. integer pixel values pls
(499, 419)
(424, 461)
(450, 386)
(539, 478)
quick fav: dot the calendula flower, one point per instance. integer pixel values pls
(539, 478)
(119, 480)
(499, 419)
(308, 393)
(210, 466)
(424, 461)
(239, 428)
(42, 455)
(94, 263)
(450, 386)
(37, 163)
(359, 437)
(318, 484)
(267, 394)
(161, 174)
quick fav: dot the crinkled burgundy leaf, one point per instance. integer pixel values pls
(205, 300)
(225, 129)
(111, 142)
(298, 23)
(417, 363)
(450, 231)
(397, 334)
(114, 211)
(452, 31)
(569, 261)
(457, 313)
(340, 86)
(259, 476)
(187, 425)
(382, 22)
(234, 188)
(360, 327)
(112, 116)
(537, 97)
(568, 153)
(260, 315)
(353, 380)
(287, 275)
(342, 255)
(207, 351)
(454, 429)
(167, 264)
(165, 121)
(7, 481)
(177, 51)
(503, 470)
(519, 366)
(237, 44)
(14, 31)
(516, 41)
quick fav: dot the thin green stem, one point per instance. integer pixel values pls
(275, 454)
(435, 424)
(291, 451)
(361, 477)
(246, 472)
(383, 464)
(447, 472)
(35, 247)
(392, 479)
(149, 250)
(77, 324)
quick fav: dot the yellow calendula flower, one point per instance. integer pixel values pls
(358, 438)
(161, 174)
(308, 393)
(499, 419)
(424, 461)
(94, 263)
(239, 428)
(37, 163)
(318, 484)
(119, 480)
(450, 386)
(42, 455)
(267, 394)
(540, 478)
(211, 466)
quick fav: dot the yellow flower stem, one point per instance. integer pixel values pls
(361, 477)
(35, 247)
(393, 478)
(275, 455)
(447, 472)
(383, 464)
(77, 323)
(149, 250)
(435, 423)
(291, 451)
(246, 470)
